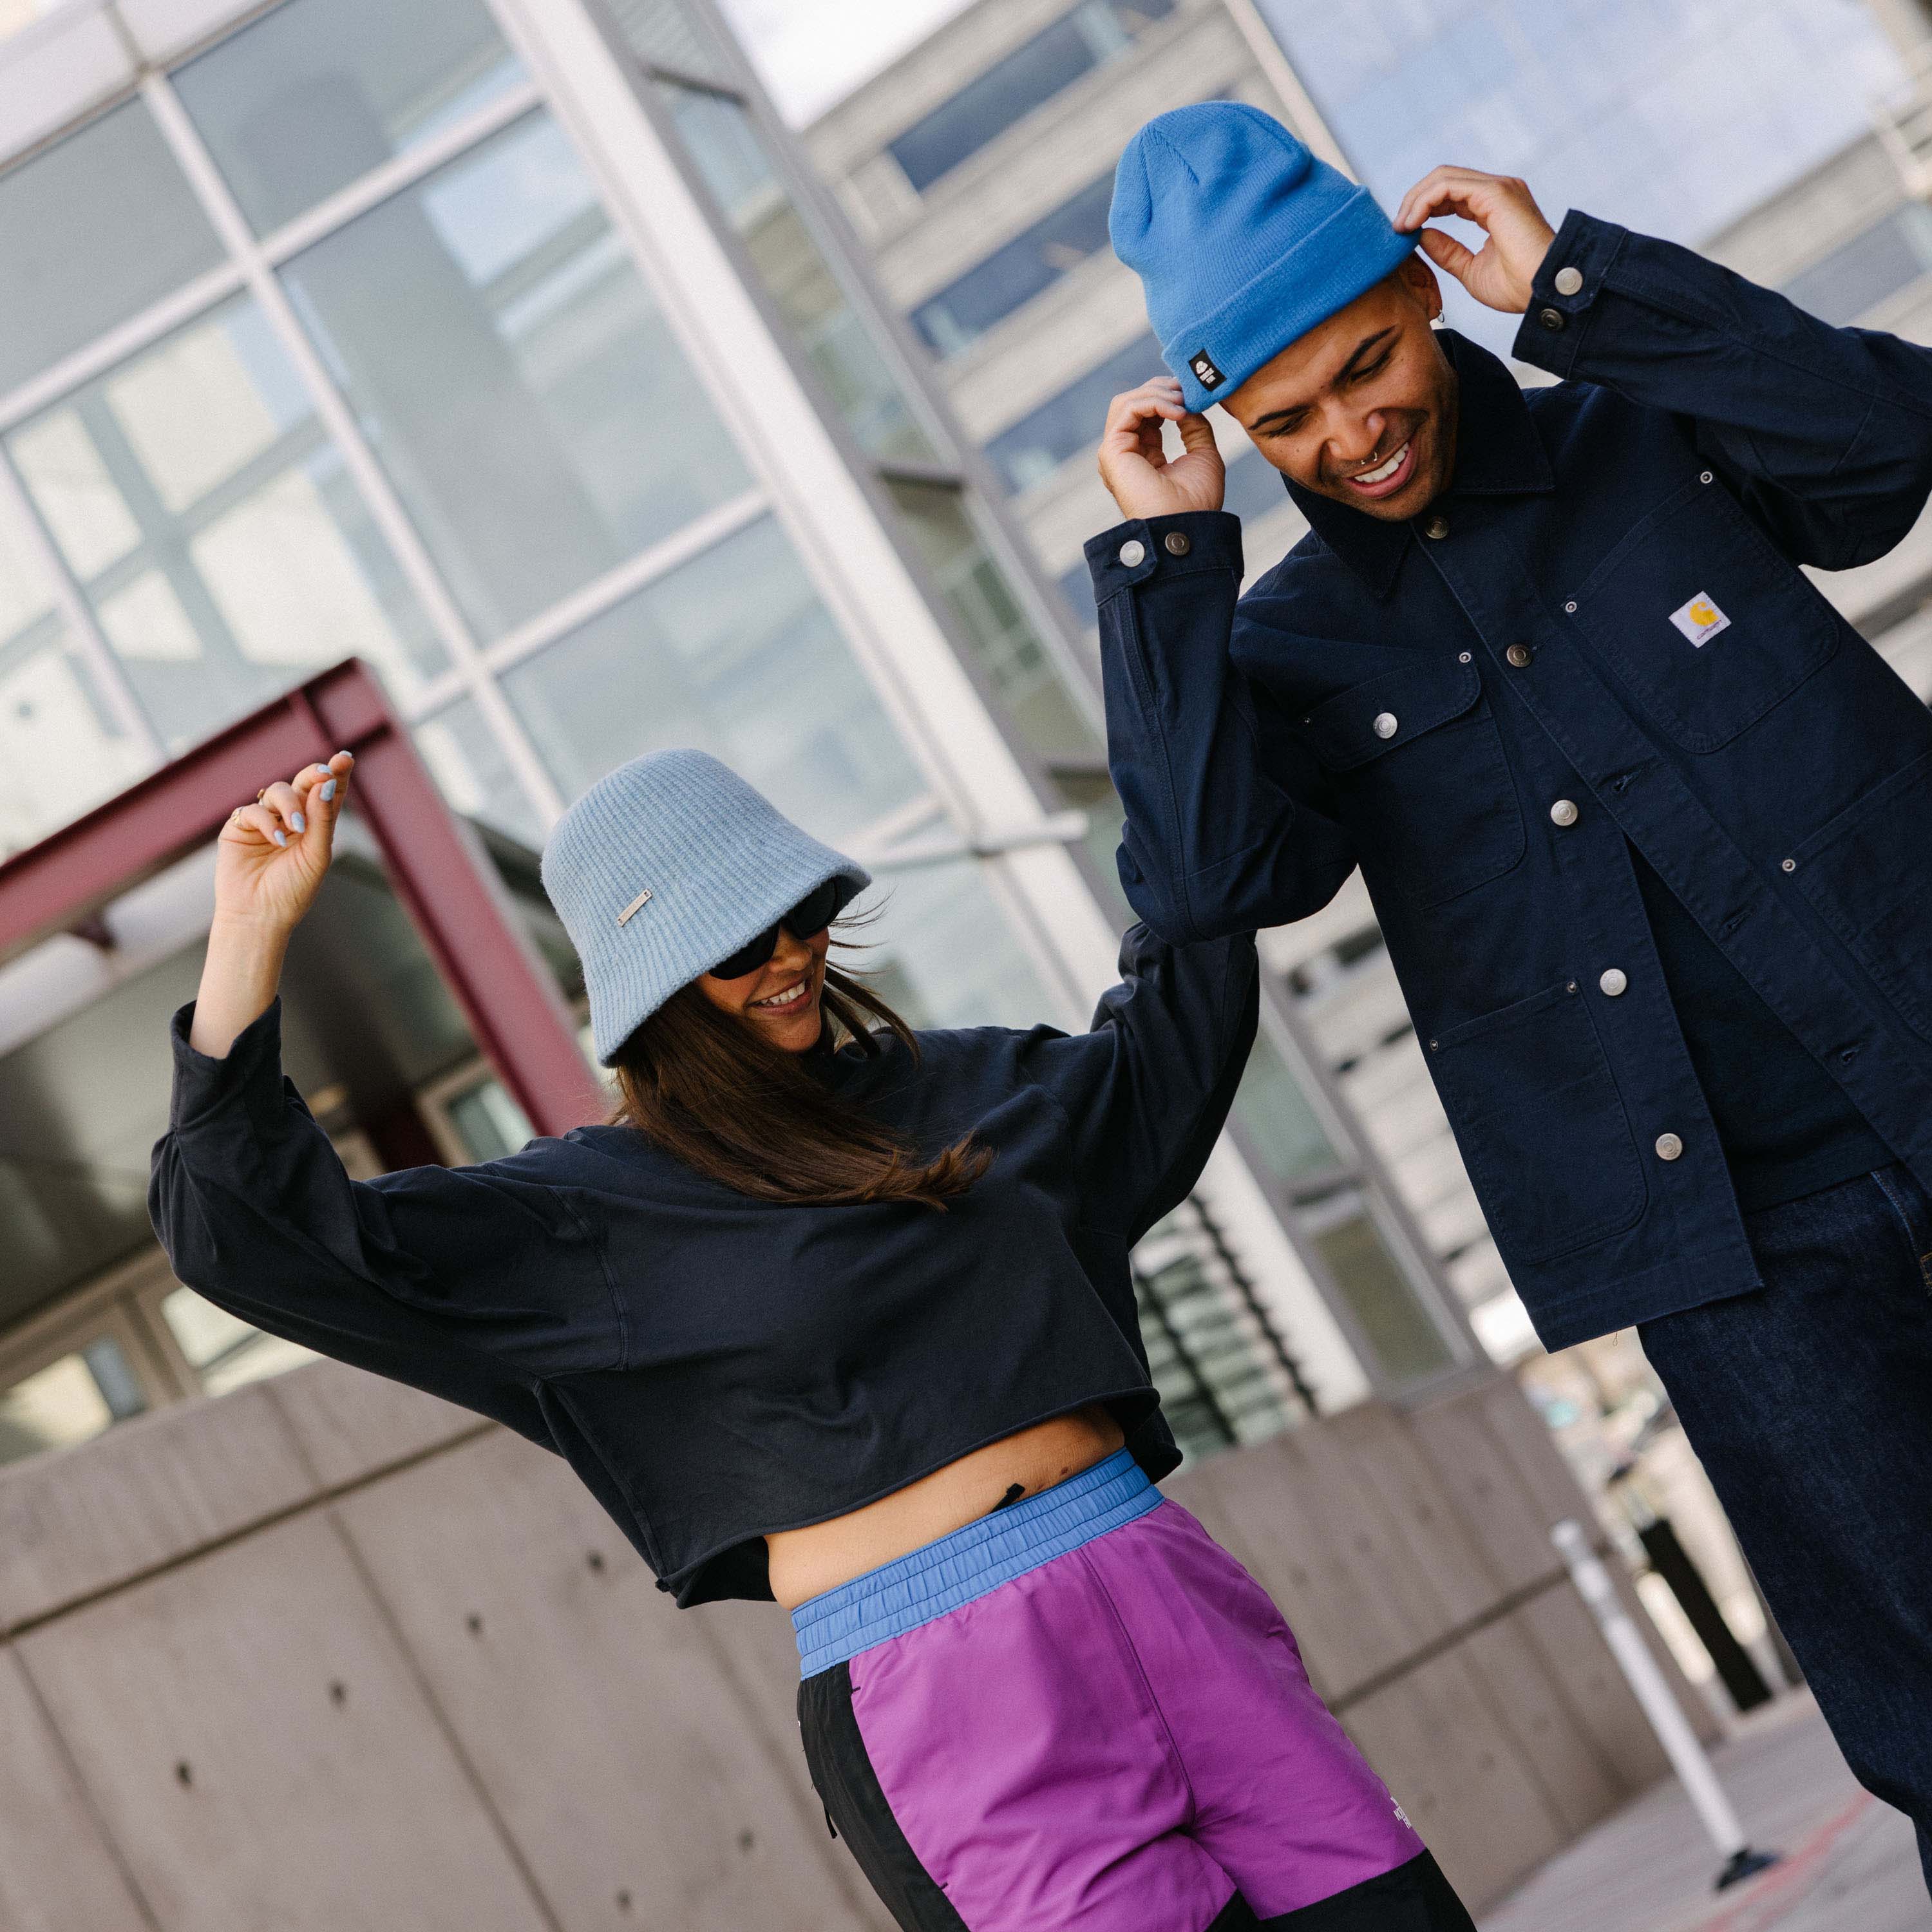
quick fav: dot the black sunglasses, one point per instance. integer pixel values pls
(812, 914)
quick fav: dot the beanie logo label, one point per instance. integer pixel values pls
(1205, 372)
(643, 899)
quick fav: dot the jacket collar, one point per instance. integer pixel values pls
(1498, 454)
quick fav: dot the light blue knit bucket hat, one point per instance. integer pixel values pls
(664, 867)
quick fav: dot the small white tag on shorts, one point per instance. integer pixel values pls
(1700, 620)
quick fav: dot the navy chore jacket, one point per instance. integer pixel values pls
(1648, 826)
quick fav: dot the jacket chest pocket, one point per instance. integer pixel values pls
(1421, 779)
(1703, 619)
(1541, 1125)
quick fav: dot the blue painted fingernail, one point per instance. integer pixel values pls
(328, 789)
(300, 824)
(323, 770)
(281, 837)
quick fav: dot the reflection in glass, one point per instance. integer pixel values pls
(519, 384)
(856, 368)
(215, 529)
(1009, 277)
(1069, 424)
(68, 1401)
(943, 954)
(1407, 1343)
(224, 1351)
(91, 231)
(466, 758)
(317, 92)
(667, 34)
(60, 751)
(732, 653)
(1003, 642)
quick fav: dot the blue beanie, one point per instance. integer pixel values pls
(1243, 242)
(664, 867)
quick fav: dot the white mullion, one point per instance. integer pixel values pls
(128, 338)
(401, 171)
(70, 600)
(332, 410)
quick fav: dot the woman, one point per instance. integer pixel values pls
(841, 1315)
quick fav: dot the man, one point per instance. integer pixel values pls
(1647, 826)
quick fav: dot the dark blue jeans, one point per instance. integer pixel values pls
(1809, 1402)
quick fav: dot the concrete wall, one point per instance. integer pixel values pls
(328, 1654)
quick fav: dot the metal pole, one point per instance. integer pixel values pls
(1673, 1730)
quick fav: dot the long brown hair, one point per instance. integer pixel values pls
(709, 1088)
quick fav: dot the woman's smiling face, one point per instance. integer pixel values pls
(781, 998)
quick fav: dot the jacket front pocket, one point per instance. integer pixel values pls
(1421, 778)
(1541, 1125)
(1869, 874)
(1704, 620)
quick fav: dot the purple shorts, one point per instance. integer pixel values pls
(1081, 1715)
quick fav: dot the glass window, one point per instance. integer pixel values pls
(91, 231)
(856, 369)
(1853, 280)
(942, 953)
(1255, 487)
(1005, 645)
(518, 383)
(1076, 585)
(215, 529)
(490, 1124)
(224, 1350)
(1031, 263)
(1280, 1127)
(465, 757)
(668, 34)
(732, 653)
(1070, 422)
(1094, 35)
(61, 751)
(68, 1401)
(317, 92)
(1397, 1327)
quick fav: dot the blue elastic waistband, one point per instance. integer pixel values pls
(971, 1562)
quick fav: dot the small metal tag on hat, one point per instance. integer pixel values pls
(643, 899)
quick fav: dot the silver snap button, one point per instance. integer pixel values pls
(1707, 477)
(1385, 725)
(1564, 811)
(1133, 552)
(1176, 544)
(1791, 864)
(1669, 1147)
(1462, 657)
(1571, 606)
(1436, 529)
(1612, 982)
(1519, 655)
(1569, 281)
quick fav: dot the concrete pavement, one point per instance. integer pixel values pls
(1849, 1861)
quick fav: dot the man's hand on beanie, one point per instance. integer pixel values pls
(1499, 274)
(1143, 479)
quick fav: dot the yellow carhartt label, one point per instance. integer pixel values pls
(1700, 620)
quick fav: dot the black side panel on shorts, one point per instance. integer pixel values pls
(1414, 1897)
(850, 1789)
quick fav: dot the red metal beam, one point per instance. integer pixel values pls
(445, 884)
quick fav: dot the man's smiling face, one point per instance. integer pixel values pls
(1363, 408)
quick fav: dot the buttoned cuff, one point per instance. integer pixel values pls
(1569, 282)
(1176, 546)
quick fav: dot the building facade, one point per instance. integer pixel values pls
(977, 169)
(500, 345)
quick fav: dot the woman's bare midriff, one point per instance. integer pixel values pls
(808, 1562)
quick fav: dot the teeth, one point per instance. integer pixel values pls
(1382, 471)
(791, 997)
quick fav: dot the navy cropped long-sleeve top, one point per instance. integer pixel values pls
(716, 1367)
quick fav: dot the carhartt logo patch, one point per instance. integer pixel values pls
(1700, 620)
(1205, 372)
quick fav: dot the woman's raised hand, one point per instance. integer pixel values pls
(273, 856)
(1143, 479)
